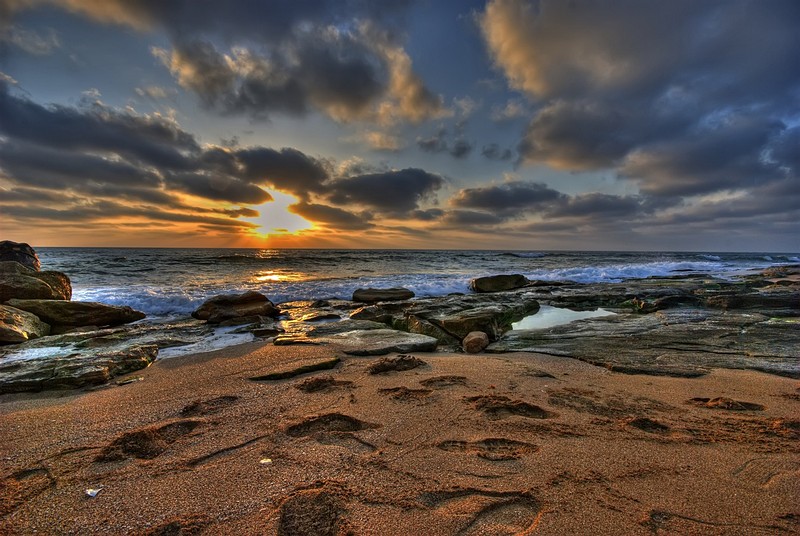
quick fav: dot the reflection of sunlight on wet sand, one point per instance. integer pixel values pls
(275, 219)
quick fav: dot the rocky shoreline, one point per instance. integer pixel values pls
(674, 326)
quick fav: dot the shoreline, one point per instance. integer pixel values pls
(489, 444)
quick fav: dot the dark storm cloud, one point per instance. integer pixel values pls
(150, 140)
(335, 217)
(434, 144)
(509, 196)
(394, 192)
(459, 218)
(461, 148)
(438, 143)
(44, 167)
(431, 214)
(331, 72)
(343, 57)
(667, 92)
(286, 169)
(714, 157)
(89, 212)
(218, 188)
(599, 205)
(494, 152)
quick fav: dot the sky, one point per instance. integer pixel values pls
(507, 124)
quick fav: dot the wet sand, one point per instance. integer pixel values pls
(489, 444)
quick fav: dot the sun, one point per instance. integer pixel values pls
(275, 218)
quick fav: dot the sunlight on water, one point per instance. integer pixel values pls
(548, 317)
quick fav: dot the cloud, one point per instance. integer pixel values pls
(494, 152)
(30, 41)
(44, 167)
(513, 109)
(218, 187)
(333, 217)
(712, 158)
(461, 148)
(351, 68)
(468, 218)
(382, 141)
(147, 139)
(286, 169)
(506, 197)
(155, 92)
(344, 58)
(438, 143)
(681, 97)
(393, 192)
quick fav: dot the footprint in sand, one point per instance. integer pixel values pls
(320, 512)
(488, 513)
(405, 394)
(399, 363)
(499, 407)
(726, 404)
(22, 486)
(207, 407)
(646, 424)
(334, 429)
(763, 471)
(493, 449)
(443, 382)
(320, 383)
(663, 522)
(147, 443)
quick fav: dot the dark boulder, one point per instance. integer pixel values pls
(475, 342)
(372, 295)
(18, 326)
(228, 306)
(60, 313)
(24, 283)
(21, 253)
(81, 369)
(498, 283)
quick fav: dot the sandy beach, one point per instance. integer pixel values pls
(461, 444)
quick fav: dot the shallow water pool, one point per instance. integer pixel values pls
(548, 317)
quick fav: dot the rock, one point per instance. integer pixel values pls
(228, 306)
(71, 371)
(374, 313)
(21, 253)
(684, 342)
(19, 326)
(320, 317)
(498, 283)
(21, 282)
(372, 295)
(381, 342)
(475, 342)
(60, 313)
(332, 328)
(457, 316)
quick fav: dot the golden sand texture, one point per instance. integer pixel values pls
(478, 444)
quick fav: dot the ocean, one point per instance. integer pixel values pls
(173, 282)
(168, 284)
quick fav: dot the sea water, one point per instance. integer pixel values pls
(168, 284)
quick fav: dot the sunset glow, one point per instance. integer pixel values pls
(520, 124)
(275, 219)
